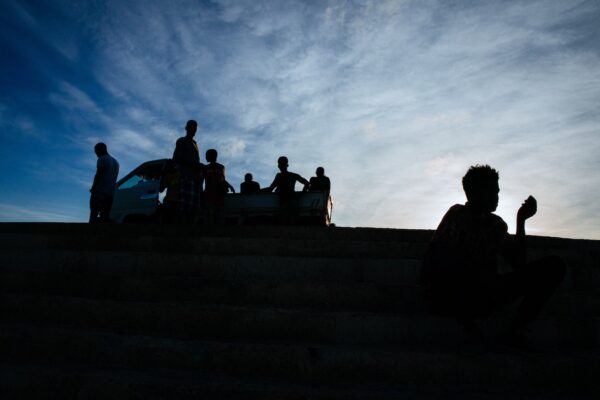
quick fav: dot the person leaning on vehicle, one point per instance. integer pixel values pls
(103, 187)
(284, 185)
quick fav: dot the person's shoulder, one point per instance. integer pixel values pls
(103, 159)
(498, 222)
(456, 209)
(185, 141)
(455, 215)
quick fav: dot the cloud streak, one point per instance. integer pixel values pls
(396, 99)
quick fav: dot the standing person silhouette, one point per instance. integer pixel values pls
(460, 270)
(187, 160)
(104, 185)
(284, 185)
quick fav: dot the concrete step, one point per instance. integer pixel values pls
(581, 258)
(51, 381)
(188, 320)
(248, 268)
(306, 363)
(94, 232)
(16, 243)
(320, 295)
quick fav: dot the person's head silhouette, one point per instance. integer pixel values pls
(320, 171)
(211, 155)
(282, 163)
(480, 184)
(100, 149)
(191, 127)
(248, 177)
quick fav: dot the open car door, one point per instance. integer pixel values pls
(136, 196)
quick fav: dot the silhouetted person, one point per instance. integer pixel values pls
(215, 187)
(103, 187)
(320, 182)
(187, 160)
(249, 186)
(284, 185)
(460, 271)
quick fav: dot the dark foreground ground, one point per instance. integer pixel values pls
(167, 312)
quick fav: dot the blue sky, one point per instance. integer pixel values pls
(395, 99)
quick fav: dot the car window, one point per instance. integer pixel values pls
(148, 175)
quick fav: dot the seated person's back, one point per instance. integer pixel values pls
(249, 186)
(320, 182)
(214, 178)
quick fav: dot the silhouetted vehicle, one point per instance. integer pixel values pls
(137, 199)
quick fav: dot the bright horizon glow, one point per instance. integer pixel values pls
(395, 99)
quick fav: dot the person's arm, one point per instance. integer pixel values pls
(272, 186)
(229, 187)
(177, 153)
(516, 253)
(304, 182)
(100, 169)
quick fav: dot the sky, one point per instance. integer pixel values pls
(395, 99)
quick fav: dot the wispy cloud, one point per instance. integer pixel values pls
(15, 213)
(394, 98)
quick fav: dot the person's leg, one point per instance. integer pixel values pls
(94, 208)
(461, 298)
(105, 208)
(535, 283)
(186, 201)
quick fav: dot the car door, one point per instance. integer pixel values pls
(136, 196)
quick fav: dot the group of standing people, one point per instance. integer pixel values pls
(193, 187)
(190, 183)
(196, 191)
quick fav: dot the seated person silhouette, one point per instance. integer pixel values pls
(320, 182)
(460, 270)
(284, 185)
(249, 186)
(215, 188)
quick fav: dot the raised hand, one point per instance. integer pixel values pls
(527, 209)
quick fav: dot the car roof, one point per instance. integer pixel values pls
(143, 165)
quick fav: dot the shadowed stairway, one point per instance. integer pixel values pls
(166, 312)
